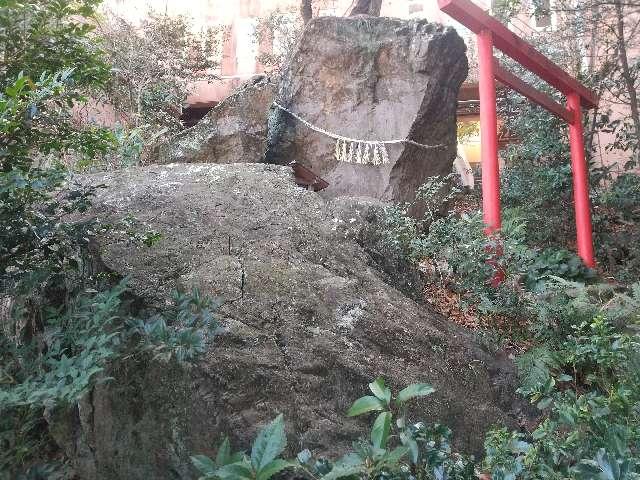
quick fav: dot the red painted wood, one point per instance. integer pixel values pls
(490, 34)
(488, 133)
(580, 183)
(474, 18)
(510, 80)
(305, 177)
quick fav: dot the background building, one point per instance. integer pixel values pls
(240, 53)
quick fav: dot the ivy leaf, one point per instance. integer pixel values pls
(269, 443)
(365, 404)
(415, 390)
(380, 430)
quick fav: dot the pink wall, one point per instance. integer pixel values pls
(236, 16)
(238, 65)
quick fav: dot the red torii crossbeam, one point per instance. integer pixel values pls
(491, 33)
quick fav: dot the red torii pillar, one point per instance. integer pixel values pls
(493, 34)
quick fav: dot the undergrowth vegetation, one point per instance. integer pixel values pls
(396, 447)
(577, 327)
(62, 319)
(586, 433)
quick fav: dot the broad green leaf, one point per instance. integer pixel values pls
(394, 456)
(204, 464)
(342, 471)
(348, 465)
(224, 453)
(238, 457)
(376, 453)
(234, 471)
(381, 392)
(274, 467)
(365, 404)
(380, 430)
(409, 442)
(544, 403)
(269, 443)
(415, 390)
(414, 450)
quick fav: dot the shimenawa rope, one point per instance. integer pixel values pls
(354, 150)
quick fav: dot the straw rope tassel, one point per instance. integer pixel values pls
(367, 151)
(353, 150)
(363, 153)
(384, 154)
(351, 153)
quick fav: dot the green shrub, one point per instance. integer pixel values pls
(49, 64)
(564, 304)
(555, 263)
(541, 195)
(617, 234)
(403, 229)
(63, 324)
(589, 390)
(73, 347)
(463, 257)
(263, 463)
(39, 36)
(623, 195)
(395, 449)
(54, 367)
(180, 331)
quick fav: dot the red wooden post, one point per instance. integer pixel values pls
(491, 33)
(488, 133)
(580, 183)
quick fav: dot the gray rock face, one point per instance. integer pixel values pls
(309, 316)
(234, 131)
(372, 79)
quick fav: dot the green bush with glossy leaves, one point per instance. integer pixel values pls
(395, 448)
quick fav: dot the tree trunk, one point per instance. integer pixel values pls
(626, 72)
(594, 13)
(306, 12)
(367, 7)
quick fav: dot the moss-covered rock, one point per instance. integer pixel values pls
(309, 317)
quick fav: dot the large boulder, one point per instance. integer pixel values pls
(309, 317)
(233, 131)
(375, 79)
